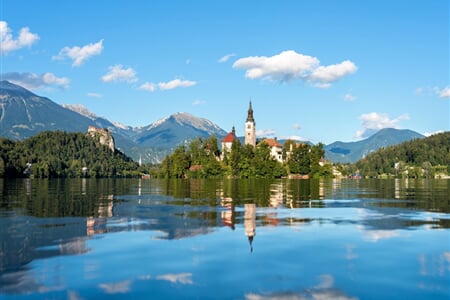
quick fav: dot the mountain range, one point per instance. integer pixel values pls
(24, 114)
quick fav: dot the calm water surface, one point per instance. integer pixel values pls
(224, 239)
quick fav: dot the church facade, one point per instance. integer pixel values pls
(250, 137)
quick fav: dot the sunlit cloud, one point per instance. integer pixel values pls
(296, 126)
(148, 86)
(34, 81)
(292, 66)
(116, 288)
(163, 86)
(445, 92)
(183, 278)
(265, 132)
(80, 54)
(225, 58)
(95, 95)
(374, 121)
(427, 134)
(8, 43)
(118, 73)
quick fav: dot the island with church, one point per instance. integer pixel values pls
(254, 158)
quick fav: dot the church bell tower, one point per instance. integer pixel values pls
(250, 131)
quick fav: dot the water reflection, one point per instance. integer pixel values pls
(44, 219)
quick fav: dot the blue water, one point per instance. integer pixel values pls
(144, 242)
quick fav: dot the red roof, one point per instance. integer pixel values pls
(229, 138)
(272, 142)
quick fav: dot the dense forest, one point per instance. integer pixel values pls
(60, 154)
(200, 159)
(428, 157)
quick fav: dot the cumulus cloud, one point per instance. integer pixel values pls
(445, 92)
(290, 65)
(225, 58)
(148, 86)
(95, 95)
(33, 81)
(170, 85)
(117, 73)
(374, 121)
(80, 54)
(8, 43)
(176, 83)
(265, 132)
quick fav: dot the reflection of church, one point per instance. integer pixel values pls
(250, 222)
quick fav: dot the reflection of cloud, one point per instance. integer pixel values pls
(324, 290)
(376, 235)
(183, 278)
(116, 288)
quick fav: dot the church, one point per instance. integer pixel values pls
(250, 137)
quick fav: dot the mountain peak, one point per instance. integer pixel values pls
(7, 87)
(81, 109)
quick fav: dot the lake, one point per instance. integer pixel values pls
(224, 239)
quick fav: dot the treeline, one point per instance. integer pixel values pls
(203, 159)
(53, 154)
(428, 157)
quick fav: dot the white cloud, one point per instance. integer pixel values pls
(296, 126)
(80, 54)
(33, 81)
(8, 43)
(226, 58)
(198, 102)
(290, 65)
(118, 74)
(445, 92)
(374, 121)
(349, 97)
(265, 132)
(148, 86)
(176, 83)
(95, 95)
(427, 134)
(170, 85)
(331, 73)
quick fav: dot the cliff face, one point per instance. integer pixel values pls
(103, 136)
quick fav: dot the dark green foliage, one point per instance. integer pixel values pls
(417, 158)
(61, 154)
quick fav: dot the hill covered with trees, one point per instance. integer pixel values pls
(428, 157)
(60, 154)
(203, 159)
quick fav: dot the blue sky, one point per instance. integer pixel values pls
(316, 70)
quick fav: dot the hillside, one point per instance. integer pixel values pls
(415, 158)
(353, 151)
(61, 154)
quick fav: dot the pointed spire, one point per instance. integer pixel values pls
(233, 130)
(250, 113)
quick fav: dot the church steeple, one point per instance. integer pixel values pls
(250, 132)
(250, 113)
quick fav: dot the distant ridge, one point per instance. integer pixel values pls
(351, 152)
(24, 114)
